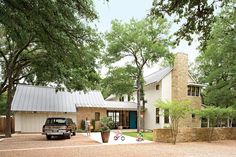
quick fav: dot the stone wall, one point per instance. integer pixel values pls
(84, 112)
(180, 77)
(194, 134)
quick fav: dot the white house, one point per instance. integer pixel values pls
(33, 104)
(170, 83)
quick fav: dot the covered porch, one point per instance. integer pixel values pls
(123, 114)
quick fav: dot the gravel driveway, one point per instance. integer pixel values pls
(81, 146)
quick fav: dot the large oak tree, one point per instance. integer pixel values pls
(142, 41)
(47, 41)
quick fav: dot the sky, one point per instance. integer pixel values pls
(125, 10)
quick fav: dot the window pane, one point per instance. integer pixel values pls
(166, 112)
(189, 90)
(157, 115)
(193, 91)
(197, 91)
(97, 116)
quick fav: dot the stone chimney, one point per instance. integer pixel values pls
(180, 77)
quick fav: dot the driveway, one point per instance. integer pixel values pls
(25, 141)
(37, 146)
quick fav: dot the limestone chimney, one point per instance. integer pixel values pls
(180, 77)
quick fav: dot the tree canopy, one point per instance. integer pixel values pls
(119, 81)
(46, 41)
(142, 42)
(197, 15)
(217, 64)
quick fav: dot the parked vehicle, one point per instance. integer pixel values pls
(58, 126)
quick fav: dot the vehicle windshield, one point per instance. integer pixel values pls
(56, 121)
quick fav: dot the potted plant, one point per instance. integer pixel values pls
(106, 125)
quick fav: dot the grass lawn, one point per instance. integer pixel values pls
(146, 135)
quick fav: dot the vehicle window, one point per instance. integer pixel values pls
(56, 121)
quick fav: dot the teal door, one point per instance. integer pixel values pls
(132, 120)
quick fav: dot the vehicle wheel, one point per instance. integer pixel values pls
(49, 137)
(115, 138)
(122, 138)
(69, 136)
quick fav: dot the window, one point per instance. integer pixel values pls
(166, 113)
(121, 98)
(157, 115)
(197, 91)
(157, 87)
(97, 116)
(128, 97)
(193, 91)
(193, 116)
(189, 90)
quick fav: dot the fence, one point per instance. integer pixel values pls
(3, 124)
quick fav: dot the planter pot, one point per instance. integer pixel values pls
(105, 136)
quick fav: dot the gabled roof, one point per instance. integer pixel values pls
(157, 76)
(36, 98)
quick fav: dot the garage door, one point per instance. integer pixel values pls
(33, 122)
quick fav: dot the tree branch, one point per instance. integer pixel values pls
(4, 57)
(19, 51)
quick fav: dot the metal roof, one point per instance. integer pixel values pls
(36, 98)
(157, 76)
(120, 105)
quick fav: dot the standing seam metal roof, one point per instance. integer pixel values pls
(157, 76)
(35, 98)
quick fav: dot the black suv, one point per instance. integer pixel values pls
(57, 126)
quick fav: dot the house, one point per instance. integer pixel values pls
(170, 83)
(33, 104)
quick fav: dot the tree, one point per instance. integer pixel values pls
(177, 110)
(197, 15)
(142, 42)
(217, 62)
(213, 114)
(3, 101)
(119, 81)
(47, 41)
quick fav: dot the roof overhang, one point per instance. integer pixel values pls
(195, 84)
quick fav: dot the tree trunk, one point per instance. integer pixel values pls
(9, 100)
(138, 104)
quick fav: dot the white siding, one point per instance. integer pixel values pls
(152, 95)
(165, 95)
(33, 122)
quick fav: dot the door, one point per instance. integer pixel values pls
(132, 119)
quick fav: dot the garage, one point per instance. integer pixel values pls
(28, 122)
(32, 105)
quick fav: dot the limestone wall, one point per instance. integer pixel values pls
(194, 134)
(180, 77)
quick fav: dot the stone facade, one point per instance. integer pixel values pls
(180, 77)
(194, 134)
(83, 112)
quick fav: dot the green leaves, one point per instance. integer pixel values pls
(144, 41)
(197, 16)
(177, 109)
(217, 62)
(62, 48)
(119, 81)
